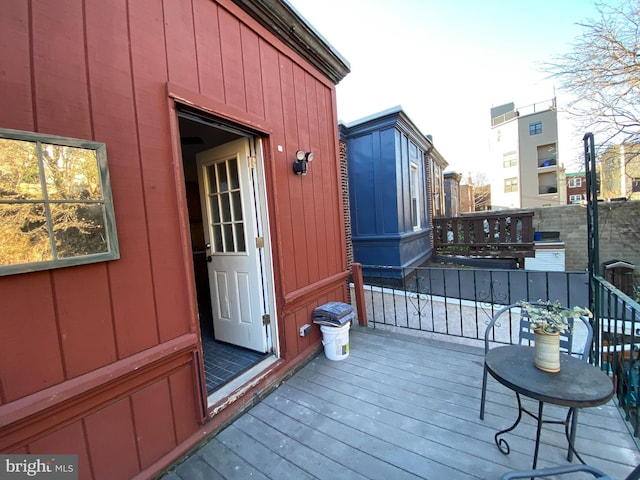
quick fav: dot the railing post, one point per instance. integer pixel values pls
(361, 310)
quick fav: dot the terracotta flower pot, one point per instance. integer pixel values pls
(547, 351)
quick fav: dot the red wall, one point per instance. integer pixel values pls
(102, 71)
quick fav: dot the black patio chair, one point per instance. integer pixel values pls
(547, 472)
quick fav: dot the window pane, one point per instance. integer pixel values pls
(70, 173)
(511, 184)
(510, 160)
(234, 183)
(414, 212)
(535, 128)
(227, 230)
(223, 184)
(79, 229)
(217, 238)
(236, 207)
(24, 234)
(225, 207)
(211, 175)
(19, 171)
(413, 185)
(239, 230)
(215, 209)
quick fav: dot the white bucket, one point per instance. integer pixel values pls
(336, 341)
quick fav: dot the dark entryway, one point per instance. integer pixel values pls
(222, 361)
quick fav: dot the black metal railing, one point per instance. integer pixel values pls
(459, 301)
(617, 341)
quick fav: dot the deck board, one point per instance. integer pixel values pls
(399, 407)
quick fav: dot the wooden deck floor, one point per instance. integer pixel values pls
(398, 407)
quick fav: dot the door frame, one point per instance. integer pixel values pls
(251, 127)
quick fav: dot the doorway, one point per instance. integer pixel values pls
(224, 184)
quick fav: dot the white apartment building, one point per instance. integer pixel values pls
(523, 148)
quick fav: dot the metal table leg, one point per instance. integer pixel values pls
(501, 443)
(569, 430)
(538, 432)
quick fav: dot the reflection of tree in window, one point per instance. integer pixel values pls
(51, 202)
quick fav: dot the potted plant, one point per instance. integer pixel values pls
(549, 320)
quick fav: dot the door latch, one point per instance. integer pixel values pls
(209, 258)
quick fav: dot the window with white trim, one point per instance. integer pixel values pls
(575, 198)
(415, 196)
(510, 159)
(575, 182)
(511, 184)
(56, 208)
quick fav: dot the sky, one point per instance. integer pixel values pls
(448, 62)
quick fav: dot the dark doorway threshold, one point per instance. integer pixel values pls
(223, 362)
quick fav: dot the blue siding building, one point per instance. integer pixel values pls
(387, 159)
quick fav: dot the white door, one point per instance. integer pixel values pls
(229, 217)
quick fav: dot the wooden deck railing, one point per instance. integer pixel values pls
(498, 235)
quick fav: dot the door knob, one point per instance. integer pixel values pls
(208, 246)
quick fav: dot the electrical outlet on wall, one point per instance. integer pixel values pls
(305, 330)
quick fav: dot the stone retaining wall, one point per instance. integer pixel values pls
(619, 228)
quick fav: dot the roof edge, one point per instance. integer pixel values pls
(397, 116)
(281, 19)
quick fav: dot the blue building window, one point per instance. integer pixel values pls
(535, 128)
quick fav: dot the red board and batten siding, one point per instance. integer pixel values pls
(99, 359)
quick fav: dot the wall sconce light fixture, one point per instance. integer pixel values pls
(300, 165)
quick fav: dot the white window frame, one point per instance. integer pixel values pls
(511, 185)
(575, 182)
(105, 201)
(577, 198)
(509, 159)
(414, 186)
